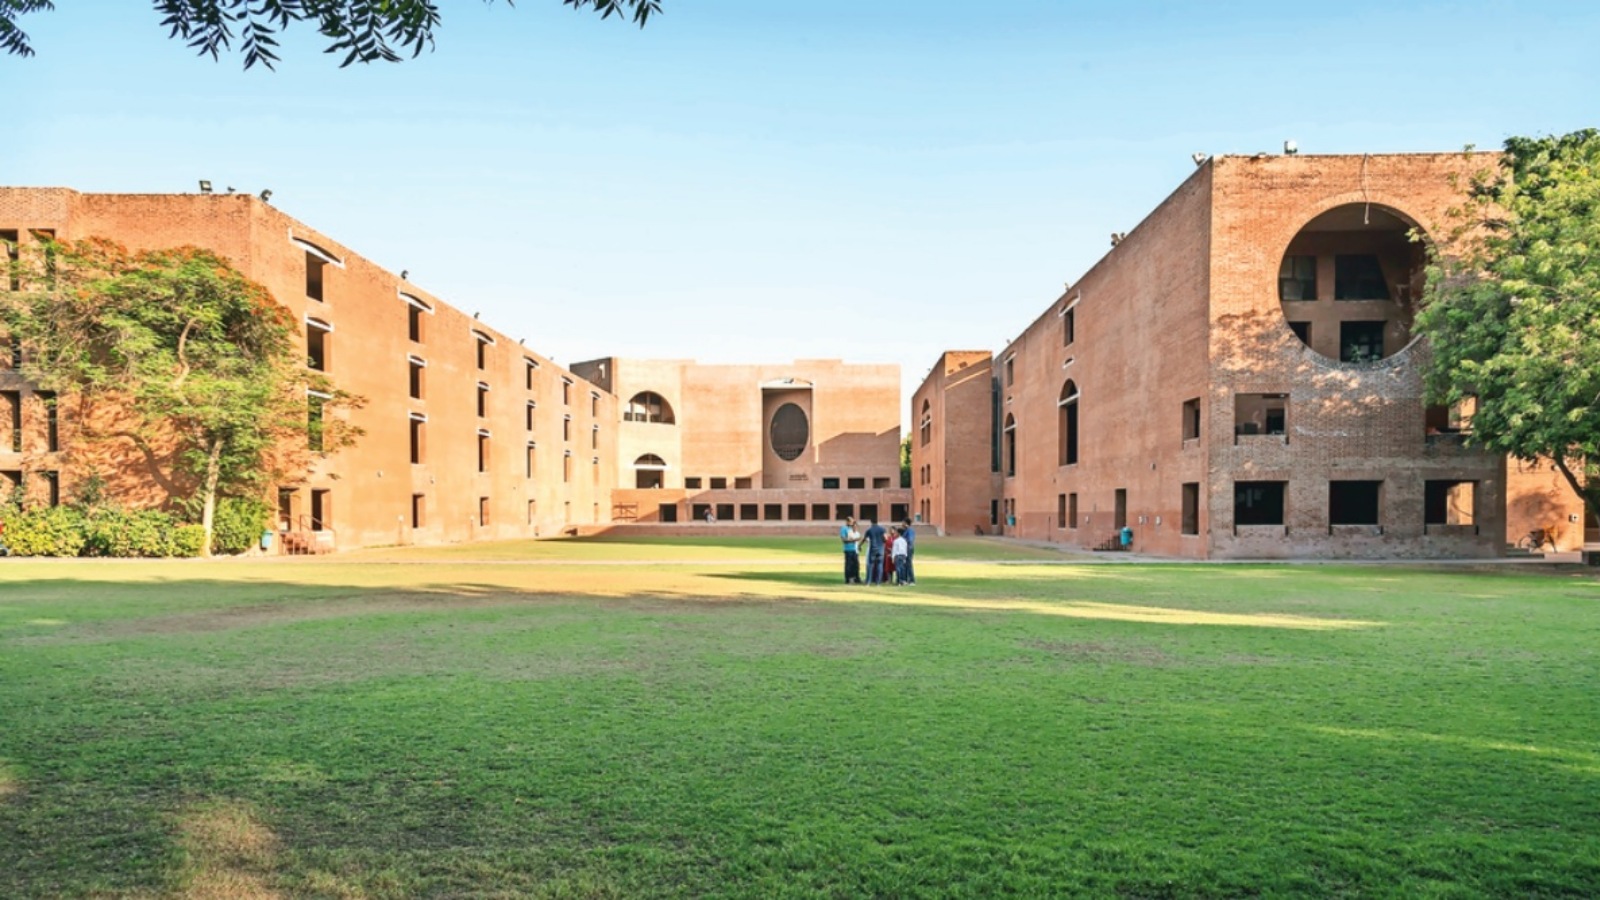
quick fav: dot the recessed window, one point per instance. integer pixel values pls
(483, 510)
(1191, 508)
(314, 266)
(1066, 426)
(594, 405)
(52, 421)
(1061, 510)
(566, 428)
(1359, 276)
(419, 509)
(1258, 502)
(483, 400)
(531, 410)
(1009, 433)
(594, 438)
(1072, 511)
(415, 310)
(718, 484)
(529, 370)
(1191, 419)
(830, 484)
(314, 423)
(1011, 370)
(418, 429)
(531, 460)
(319, 344)
(1360, 341)
(649, 471)
(741, 484)
(1449, 502)
(1353, 502)
(1302, 330)
(692, 484)
(856, 484)
(416, 368)
(648, 406)
(483, 451)
(1297, 278)
(485, 341)
(566, 392)
(1256, 414)
(566, 466)
(880, 483)
(926, 429)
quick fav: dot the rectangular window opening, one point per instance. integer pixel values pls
(419, 508)
(1191, 419)
(1359, 277)
(1191, 508)
(1297, 278)
(1360, 341)
(314, 270)
(1256, 414)
(719, 484)
(856, 484)
(1258, 502)
(1354, 502)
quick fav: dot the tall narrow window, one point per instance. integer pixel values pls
(594, 405)
(416, 368)
(566, 466)
(532, 460)
(415, 310)
(1061, 510)
(926, 428)
(10, 254)
(1069, 324)
(566, 428)
(1067, 424)
(1191, 419)
(319, 344)
(1297, 278)
(419, 504)
(52, 429)
(1011, 370)
(483, 450)
(314, 266)
(314, 423)
(529, 370)
(594, 438)
(418, 438)
(532, 408)
(1072, 510)
(483, 511)
(1011, 445)
(484, 340)
(566, 392)
(483, 399)
(1191, 508)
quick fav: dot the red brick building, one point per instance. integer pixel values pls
(1236, 378)
(469, 435)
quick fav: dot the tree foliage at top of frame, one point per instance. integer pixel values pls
(362, 30)
(1512, 307)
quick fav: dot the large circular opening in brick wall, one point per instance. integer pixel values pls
(1349, 281)
(790, 431)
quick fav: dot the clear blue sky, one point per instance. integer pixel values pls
(760, 180)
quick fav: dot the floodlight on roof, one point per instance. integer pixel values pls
(205, 186)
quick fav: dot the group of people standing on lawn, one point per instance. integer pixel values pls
(890, 552)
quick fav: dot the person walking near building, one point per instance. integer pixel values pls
(851, 538)
(900, 552)
(875, 538)
(910, 534)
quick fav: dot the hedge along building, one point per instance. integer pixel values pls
(776, 444)
(469, 435)
(1237, 378)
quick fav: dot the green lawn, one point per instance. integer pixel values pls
(575, 719)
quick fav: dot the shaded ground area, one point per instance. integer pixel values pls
(756, 729)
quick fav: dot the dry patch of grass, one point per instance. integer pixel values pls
(230, 853)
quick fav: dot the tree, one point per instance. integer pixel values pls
(1512, 307)
(905, 462)
(363, 30)
(181, 352)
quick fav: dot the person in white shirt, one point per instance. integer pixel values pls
(900, 552)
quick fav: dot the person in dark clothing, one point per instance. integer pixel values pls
(875, 536)
(911, 552)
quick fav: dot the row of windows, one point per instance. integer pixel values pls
(11, 427)
(1350, 502)
(1356, 276)
(780, 512)
(14, 482)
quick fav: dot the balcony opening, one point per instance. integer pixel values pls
(725, 512)
(1354, 502)
(667, 512)
(648, 406)
(749, 512)
(797, 512)
(1260, 414)
(1449, 424)
(819, 512)
(869, 512)
(1258, 502)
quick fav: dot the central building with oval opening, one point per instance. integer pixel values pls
(778, 445)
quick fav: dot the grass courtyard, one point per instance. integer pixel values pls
(724, 718)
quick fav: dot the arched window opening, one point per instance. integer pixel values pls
(1067, 424)
(649, 471)
(648, 406)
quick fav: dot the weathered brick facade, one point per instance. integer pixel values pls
(1242, 383)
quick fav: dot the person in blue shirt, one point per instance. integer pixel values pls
(875, 536)
(851, 538)
(911, 552)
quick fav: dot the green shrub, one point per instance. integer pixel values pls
(114, 531)
(49, 531)
(237, 524)
(187, 540)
